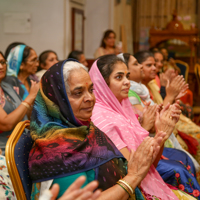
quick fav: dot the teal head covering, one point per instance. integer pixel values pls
(14, 60)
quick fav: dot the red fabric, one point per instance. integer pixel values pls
(1, 132)
(163, 158)
(187, 98)
(191, 142)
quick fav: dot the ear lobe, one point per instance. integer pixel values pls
(21, 66)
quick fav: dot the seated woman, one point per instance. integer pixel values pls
(108, 45)
(22, 62)
(162, 80)
(113, 114)
(68, 145)
(184, 125)
(46, 60)
(136, 76)
(12, 108)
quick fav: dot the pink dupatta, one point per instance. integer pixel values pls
(119, 122)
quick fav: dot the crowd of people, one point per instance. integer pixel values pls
(117, 130)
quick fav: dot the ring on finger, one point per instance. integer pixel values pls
(170, 117)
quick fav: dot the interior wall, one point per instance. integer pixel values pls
(47, 19)
(123, 16)
(51, 24)
(98, 18)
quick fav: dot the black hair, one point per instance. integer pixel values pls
(105, 36)
(126, 58)
(142, 56)
(106, 65)
(2, 55)
(10, 46)
(26, 53)
(75, 54)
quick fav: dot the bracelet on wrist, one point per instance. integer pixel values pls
(28, 103)
(25, 104)
(127, 189)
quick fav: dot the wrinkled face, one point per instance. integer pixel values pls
(149, 69)
(83, 60)
(159, 61)
(3, 67)
(110, 40)
(51, 60)
(136, 70)
(31, 64)
(118, 81)
(81, 96)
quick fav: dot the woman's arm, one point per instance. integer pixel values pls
(9, 121)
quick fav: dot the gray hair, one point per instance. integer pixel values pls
(68, 68)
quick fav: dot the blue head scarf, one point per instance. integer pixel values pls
(14, 60)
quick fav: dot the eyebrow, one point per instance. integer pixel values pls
(79, 88)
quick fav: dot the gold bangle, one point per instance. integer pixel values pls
(123, 186)
(25, 104)
(127, 185)
(131, 196)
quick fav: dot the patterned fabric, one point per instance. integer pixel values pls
(62, 146)
(120, 123)
(10, 103)
(14, 60)
(6, 188)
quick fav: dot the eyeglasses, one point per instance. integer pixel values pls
(32, 61)
(3, 62)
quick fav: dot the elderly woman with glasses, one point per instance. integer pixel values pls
(12, 108)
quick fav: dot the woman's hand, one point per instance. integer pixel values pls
(166, 119)
(163, 79)
(141, 160)
(34, 89)
(175, 87)
(74, 192)
(149, 115)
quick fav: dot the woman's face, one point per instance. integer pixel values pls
(136, 70)
(110, 40)
(50, 61)
(158, 61)
(2, 68)
(149, 69)
(31, 64)
(81, 96)
(118, 81)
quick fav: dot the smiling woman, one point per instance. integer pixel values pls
(12, 109)
(68, 145)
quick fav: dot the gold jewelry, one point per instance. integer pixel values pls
(25, 104)
(170, 117)
(127, 184)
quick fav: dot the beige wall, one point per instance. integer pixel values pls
(123, 16)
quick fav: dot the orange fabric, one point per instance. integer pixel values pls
(187, 98)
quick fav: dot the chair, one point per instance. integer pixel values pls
(196, 109)
(183, 66)
(17, 151)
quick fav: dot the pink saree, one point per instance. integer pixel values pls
(119, 122)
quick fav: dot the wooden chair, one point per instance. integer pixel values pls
(196, 109)
(183, 66)
(17, 151)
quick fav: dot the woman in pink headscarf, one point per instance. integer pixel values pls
(114, 116)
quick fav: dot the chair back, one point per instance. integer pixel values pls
(197, 74)
(17, 151)
(183, 66)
